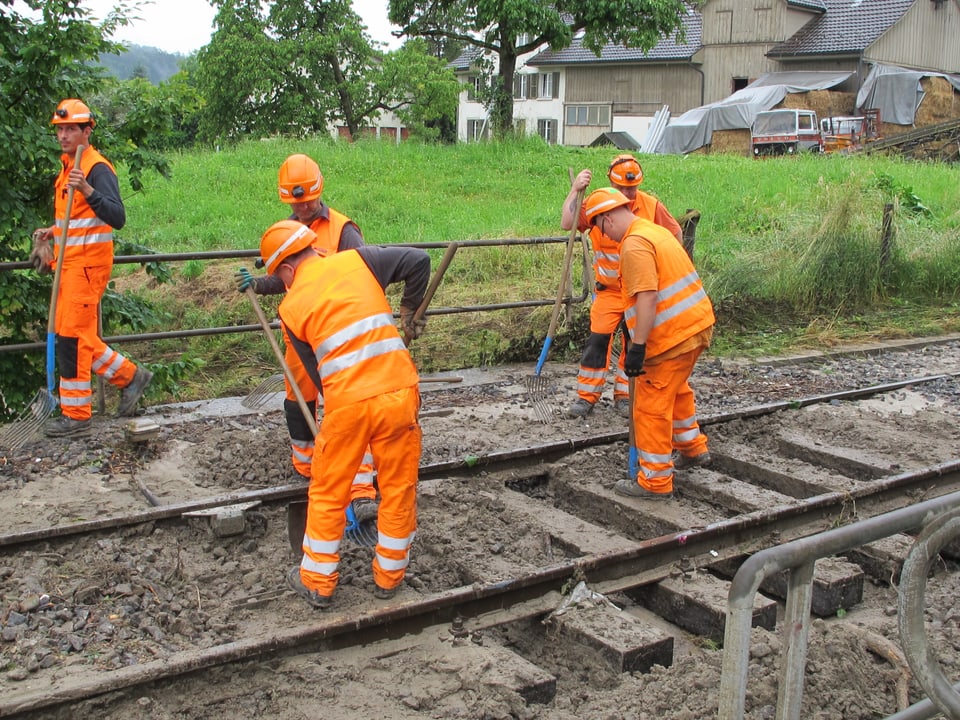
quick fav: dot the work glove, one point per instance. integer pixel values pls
(412, 329)
(42, 254)
(633, 365)
(243, 279)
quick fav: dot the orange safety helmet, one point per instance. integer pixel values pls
(73, 111)
(300, 180)
(625, 171)
(601, 201)
(283, 239)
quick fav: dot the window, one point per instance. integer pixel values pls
(739, 83)
(523, 85)
(549, 85)
(598, 115)
(805, 122)
(476, 129)
(474, 87)
(547, 129)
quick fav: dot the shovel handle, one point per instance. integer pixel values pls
(265, 324)
(434, 284)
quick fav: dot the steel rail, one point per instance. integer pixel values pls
(297, 491)
(639, 564)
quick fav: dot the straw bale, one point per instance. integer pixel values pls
(940, 103)
(824, 102)
(731, 142)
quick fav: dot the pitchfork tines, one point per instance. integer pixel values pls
(29, 422)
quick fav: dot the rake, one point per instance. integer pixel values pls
(29, 422)
(537, 385)
(297, 510)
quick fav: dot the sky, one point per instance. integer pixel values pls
(183, 26)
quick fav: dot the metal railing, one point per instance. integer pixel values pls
(799, 557)
(253, 253)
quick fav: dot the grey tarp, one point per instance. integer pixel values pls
(896, 92)
(695, 127)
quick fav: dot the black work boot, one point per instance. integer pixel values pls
(131, 394)
(64, 426)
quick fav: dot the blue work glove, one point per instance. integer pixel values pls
(244, 279)
(633, 365)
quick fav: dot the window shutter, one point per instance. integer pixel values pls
(556, 85)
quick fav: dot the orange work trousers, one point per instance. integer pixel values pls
(606, 312)
(388, 423)
(80, 350)
(302, 443)
(665, 419)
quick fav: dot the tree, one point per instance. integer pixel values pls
(508, 29)
(307, 64)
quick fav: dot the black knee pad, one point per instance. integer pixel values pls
(595, 351)
(297, 424)
(67, 355)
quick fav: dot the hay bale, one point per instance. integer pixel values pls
(940, 102)
(823, 102)
(730, 142)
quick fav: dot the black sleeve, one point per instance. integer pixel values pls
(105, 198)
(391, 264)
(269, 285)
(350, 237)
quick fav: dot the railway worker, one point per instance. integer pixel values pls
(300, 185)
(670, 322)
(96, 211)
(606, 312)
(339, 321)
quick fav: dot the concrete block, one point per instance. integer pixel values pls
(883, 559)
(698, 603)
(622, 640)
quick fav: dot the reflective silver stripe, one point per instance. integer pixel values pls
(78, 240)
(686, 436)
(392, 543)
(77, 385)
(77, 223)
(587, 388)
(680, 307)
(390, 564)
(595, 374)
(328, 568)
(367, 459)
(113, 367)
(287, 243)
(302, 444)
(300, 455)
(612, 257)
(381, 347)
(654, 458)
(352, 332)
(650, 474)
(601, 207)
(76, 401)
(607, 272)
(363, 478)
(685, 422)
(321, 547)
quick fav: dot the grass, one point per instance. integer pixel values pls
(789, 248)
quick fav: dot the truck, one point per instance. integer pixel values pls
(785, 131)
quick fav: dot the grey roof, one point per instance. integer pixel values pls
(621, 140)
(848, 26)
(667, 49)
(465, 59)
(819, 5)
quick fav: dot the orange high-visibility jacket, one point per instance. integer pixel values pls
(606, 252)
(683, 308)
(328, 231)
(336, 311)
(89, 239)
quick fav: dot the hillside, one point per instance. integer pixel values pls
(154, 64)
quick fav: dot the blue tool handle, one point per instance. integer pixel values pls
(51, 354)
(352, 523)
(633, 464)
(543, 355)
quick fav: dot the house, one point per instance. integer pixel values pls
(572, 96)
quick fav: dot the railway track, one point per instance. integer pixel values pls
(126, 611)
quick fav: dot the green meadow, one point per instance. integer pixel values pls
(792, 251)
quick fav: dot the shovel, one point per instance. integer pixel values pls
(537, 385)
(44, 402)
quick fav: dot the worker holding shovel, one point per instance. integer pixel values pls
(90, 190)
(300, 185)
(606, 312)
(670, 322)
(339, 321)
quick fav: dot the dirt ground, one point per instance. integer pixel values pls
(207, 448)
